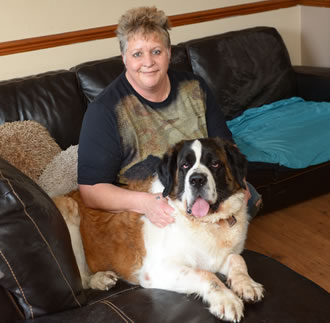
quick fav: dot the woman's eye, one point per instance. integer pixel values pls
(137, 54)
(156, 52)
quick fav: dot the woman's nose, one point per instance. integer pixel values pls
(148, 60)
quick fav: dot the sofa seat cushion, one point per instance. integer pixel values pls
(291, 132)
(289, 298)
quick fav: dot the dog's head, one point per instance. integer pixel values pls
(202, 173)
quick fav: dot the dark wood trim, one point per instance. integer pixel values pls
(226, 12)
(36, 43)
(315, 3)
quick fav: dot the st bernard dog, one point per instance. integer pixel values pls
(203, 181)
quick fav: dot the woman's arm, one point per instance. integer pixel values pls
(112, 198)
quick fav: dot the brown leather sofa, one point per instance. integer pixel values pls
(41, 281)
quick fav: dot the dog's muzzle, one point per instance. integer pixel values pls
(199, 203)
(198, 180)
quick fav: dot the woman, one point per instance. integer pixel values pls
(147, 109)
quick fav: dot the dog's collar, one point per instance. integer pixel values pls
(231, 221)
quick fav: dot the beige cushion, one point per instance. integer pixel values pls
(28, 146)
(60, 175)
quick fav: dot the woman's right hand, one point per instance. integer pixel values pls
(158, 211)
(116, 199)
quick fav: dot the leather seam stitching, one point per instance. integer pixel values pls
(17, 282)
(118, 311)
(19, 311)
(42, 237)
(115, 294)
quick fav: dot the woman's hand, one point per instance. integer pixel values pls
(116, 199)
(158, 211)
(247, 192)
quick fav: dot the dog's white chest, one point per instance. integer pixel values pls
(181, 245)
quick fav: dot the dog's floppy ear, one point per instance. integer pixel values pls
(166, 171)
(237, 162)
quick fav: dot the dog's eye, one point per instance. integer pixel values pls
(215, 164)
(185, 165)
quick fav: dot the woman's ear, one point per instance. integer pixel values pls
(123, 56)
(169, 51)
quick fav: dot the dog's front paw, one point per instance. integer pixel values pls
(246, 288)
(227, 306)
(103, 280)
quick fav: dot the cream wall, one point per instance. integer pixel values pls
(23, 19)
(315, 40)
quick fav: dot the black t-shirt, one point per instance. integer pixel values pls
(121, 128)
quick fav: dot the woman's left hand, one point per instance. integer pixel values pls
(247, 192)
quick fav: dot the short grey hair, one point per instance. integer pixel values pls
(145, 20)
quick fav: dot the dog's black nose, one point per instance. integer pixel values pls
(197, 180)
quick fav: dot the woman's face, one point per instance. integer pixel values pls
(146, 60)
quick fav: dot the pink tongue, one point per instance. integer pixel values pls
(200, 208)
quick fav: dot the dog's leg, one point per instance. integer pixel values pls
(102, 280)
(224, 304)
(239, 280)
(70, 212)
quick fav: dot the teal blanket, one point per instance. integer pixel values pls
(292, 132)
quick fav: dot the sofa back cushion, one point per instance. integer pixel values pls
(36, 256)
(96, 75)
(53, 99)
(246, 68)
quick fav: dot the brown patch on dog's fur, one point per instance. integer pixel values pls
(113, 241)
(232, 183)
(68, 208)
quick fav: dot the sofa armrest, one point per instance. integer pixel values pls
(36, 256)
(313, 83)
